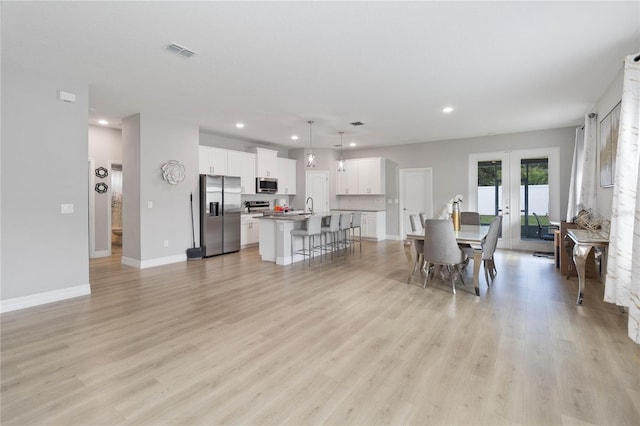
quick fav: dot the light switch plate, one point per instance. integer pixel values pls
(149, 204)
(66, 208)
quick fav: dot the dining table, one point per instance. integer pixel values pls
(585, 240)
(472, 235)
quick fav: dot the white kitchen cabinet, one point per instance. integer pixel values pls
(374, 225)
(212, 161)
(371, 176)
(249, 230)
(347, 181)
(266, 163)
(363, 176)
(243, 164)
(286, 176)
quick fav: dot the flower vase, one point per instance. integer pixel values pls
(455, 217)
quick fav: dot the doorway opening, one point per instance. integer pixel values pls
(115, 211)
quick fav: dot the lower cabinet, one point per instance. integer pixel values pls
(374, 225)
(249, 230)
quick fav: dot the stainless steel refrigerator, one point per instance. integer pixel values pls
(219, 214)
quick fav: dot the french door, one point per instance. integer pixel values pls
(516, 184)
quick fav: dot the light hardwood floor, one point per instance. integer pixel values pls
(233, 340)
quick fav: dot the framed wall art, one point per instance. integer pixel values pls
(609, 127)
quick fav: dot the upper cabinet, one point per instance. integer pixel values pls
(243, 164)
(212, 161)
(363, 176)
(371, 176)
(286, 176)
(348, 179)
(266, 163)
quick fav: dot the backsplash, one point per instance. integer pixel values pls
(361, 202)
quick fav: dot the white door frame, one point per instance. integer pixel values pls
(403, 232)
(110, 164)
(511, 200)
(326, 189)
(92, 206)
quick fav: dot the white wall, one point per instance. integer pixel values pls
(44, 165)
(449, 160)
(149, 143)
(105, 146)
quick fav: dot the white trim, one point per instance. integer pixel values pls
(393, 237)
(101, 253)
(92, 208)
(142, 264)
(43, 298)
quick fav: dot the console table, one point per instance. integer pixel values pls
(585, 241)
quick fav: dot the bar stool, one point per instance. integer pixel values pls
(332, 229)
(314, 228)
(345, 229)
(356, 222)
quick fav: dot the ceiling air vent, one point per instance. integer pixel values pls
(180, 50)
(357, 123)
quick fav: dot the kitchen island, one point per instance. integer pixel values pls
(275, 237)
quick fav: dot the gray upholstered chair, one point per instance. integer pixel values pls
(441, 248)
(416, 226)
(488, 249)
(469, 218)
(331, 230)
(314, 229)
(356, 223)
(344, 229)
(423, 218)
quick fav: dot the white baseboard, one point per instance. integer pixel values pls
(393, 237)
(142, 264)
(101, 253)
(43, 298)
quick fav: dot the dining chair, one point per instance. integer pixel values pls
(314, 229)
(441, 248)
(416, 226)
(488, 249)
(423, 218)
(469, 218)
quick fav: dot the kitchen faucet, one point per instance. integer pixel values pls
(307, 202)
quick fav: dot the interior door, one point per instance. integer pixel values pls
(416, 195)
(501, 183)
(317, 187)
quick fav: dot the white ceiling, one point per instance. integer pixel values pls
(504, 66)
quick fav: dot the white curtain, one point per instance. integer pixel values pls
(624, 245)
(584, 172)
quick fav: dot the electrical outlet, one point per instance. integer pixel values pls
(166, 243)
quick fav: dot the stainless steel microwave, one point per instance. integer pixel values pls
(266, 185)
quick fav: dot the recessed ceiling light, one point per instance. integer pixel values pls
(352, 144)
(103, 122)
(294, 137)
(447, 109)
(239, 125)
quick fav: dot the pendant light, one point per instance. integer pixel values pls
(311, 157)
(341, 165)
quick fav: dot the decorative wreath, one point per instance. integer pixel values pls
(173, 172)
(102, 173)
(101, 187)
